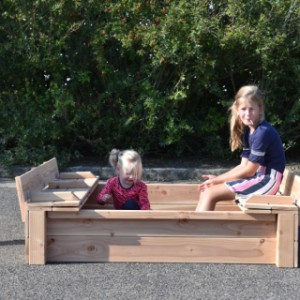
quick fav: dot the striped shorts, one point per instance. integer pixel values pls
(264, 183)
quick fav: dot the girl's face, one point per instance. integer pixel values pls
(127, 177)
(249, 113)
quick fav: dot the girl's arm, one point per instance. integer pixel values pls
(244, 170)
(143, 198)
(105, 195)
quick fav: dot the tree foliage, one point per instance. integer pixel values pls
(81, 77)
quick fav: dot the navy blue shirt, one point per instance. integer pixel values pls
(264, 146)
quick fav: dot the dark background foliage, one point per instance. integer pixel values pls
(79, 78)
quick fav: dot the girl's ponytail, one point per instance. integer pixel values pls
(113, 157)
(236, 128)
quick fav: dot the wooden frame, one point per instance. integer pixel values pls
(64, 230)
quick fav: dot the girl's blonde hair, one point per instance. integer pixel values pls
(127, 160)
(248, 92)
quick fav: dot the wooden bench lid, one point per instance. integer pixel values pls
(44, 188)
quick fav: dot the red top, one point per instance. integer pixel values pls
(137, 192)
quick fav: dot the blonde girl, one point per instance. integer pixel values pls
(126, 190)
(262, 159)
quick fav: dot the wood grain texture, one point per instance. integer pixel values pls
(34, 180)
(212, 228)
(37, 237)
(286, 236)
(160, 249)
(64, 223)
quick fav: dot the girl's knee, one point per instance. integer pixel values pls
(206, 204)
(208, 199)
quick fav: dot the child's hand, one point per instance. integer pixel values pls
(208, 176)
(107, 198)
(206, 184)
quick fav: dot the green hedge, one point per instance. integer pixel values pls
(81, 77)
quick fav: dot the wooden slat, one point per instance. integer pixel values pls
(160, 249)
(172, 206)
(72, 183)
(290, 184)
(34, 180)
(211, 228)
(272, 200)
(68, 209)
(26, 236)
(287, 182)
(37, 237)
(285, 240)
(156, 215)
(81, 194)
(47, 196)
(295, 190)
(268, 202)
(78, 175)
(22, 199)
(296, 239)
(172, 192)
(51, 204)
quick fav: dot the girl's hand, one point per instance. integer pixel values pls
(106, 198)
(208, 176)
(208, 183)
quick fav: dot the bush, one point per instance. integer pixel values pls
(79, 78)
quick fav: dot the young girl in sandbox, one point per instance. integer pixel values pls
(126, 190)
(262, 160)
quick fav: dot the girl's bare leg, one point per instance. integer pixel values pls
(212, 195)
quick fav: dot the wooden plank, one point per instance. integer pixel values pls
(211, 228)
(164, 206)
(285, 240)
(185, 206)
(296, 239)
(171, 206)
(172, 192)
(295, 190)
(72, 183)
(259, 211)
(74, 209)
(156, 215)
(49, 196)
(65, 207)
(229, 205)
(276, 202)
(61, 198)
(267, 206)
(161, 249)
(287, 182)
(34, 180)
(48, 206)
(22, 199)
(37, 237)
(81, 194)
(69, 209)
(271, 200)
(26, 237)
(78, 175)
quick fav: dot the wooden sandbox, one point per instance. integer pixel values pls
(64, 223)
